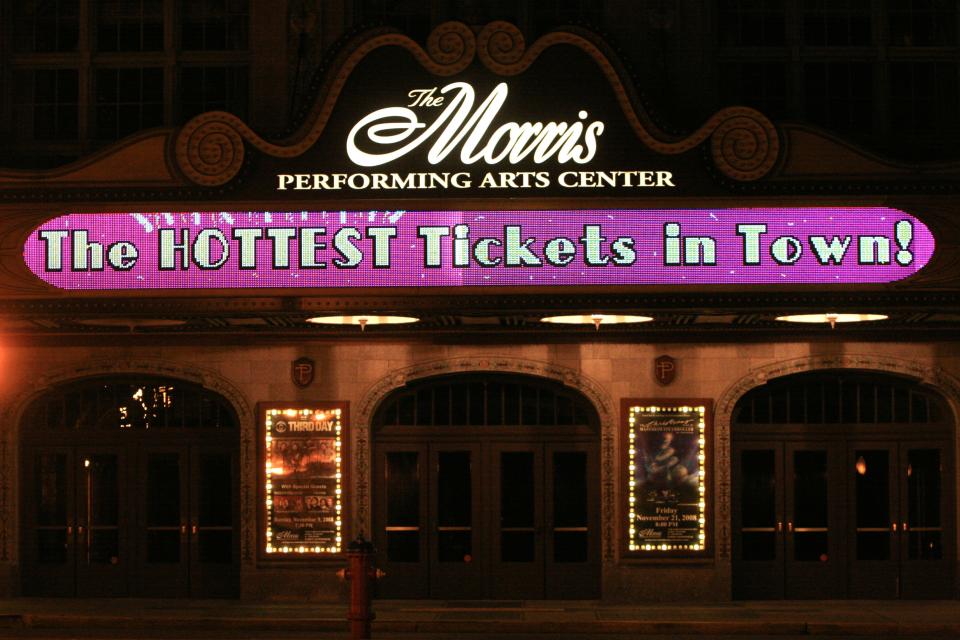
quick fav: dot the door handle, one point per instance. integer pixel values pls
(789, 526)
(183, 529)
(893, 527)
(904, 526)
(193, 529)
(779, 526)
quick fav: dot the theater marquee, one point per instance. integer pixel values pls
(195, 250)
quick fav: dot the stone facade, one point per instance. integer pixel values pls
(363, 374)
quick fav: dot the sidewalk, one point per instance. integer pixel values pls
(865, 618)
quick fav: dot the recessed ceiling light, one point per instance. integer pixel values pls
(596, 319)
(832, 318)
(363, 321)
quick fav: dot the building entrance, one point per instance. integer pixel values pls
(487, 488)
(130, 489)
(843, 488)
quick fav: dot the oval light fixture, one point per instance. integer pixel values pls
(832, 318)
(363, 321)
(596, 319)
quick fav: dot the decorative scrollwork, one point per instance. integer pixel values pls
(452, 46)
(744, 145)
(500, 47)
(209, 148)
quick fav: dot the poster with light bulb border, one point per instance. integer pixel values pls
(667, 471)
(303, 480)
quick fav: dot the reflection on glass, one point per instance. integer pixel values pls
(923, 504)
(402, 476)
(810, 534)
(454, 507)
(872, 486)
(758, 487)
(517, 507)
(570, 506)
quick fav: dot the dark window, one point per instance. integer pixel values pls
(128, 100)
(752, 23)
(214, 25)
(487, 401)
(409, 17)
(834, 23)
(923, 23)
(761, 85)
(924, 102)
(47, 103)
(213, 89)
(831, 397)
(839, 95)
(149, 403)
(129, 25)
(46, 25)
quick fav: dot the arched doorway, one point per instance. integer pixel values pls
(130, 487)
(487, 486)
(843, 487)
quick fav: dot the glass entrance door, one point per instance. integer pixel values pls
(491, 520)
(76, 522)
(900, 533)
(786, 531)
(110, 522)
(879, 527)
(187, 545)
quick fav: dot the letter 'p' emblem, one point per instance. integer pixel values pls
(664, 370)
(302, 371)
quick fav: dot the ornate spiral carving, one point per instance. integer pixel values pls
(452, 46)
(745, 144)
(500, 47)
(209, 148)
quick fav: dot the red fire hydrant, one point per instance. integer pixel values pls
(361, 575)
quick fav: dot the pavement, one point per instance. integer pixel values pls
(872, 618)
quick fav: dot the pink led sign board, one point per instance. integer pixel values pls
(197, 250)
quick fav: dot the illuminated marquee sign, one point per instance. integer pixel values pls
(667, 492)
(456, 126)
(303, 481)
(830, 245)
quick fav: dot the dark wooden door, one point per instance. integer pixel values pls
(462, 520)
(758, 525)
(572, 510)
(104, 554)
(214, 541)
(927, 537)
(49, 540)
(814, 559)
(518, 514)
(788, 521)
(163, 534)
(400, 520)
(458, 544)
(873, 520)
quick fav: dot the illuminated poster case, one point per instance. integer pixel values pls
(302, 479)
(666, 466)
